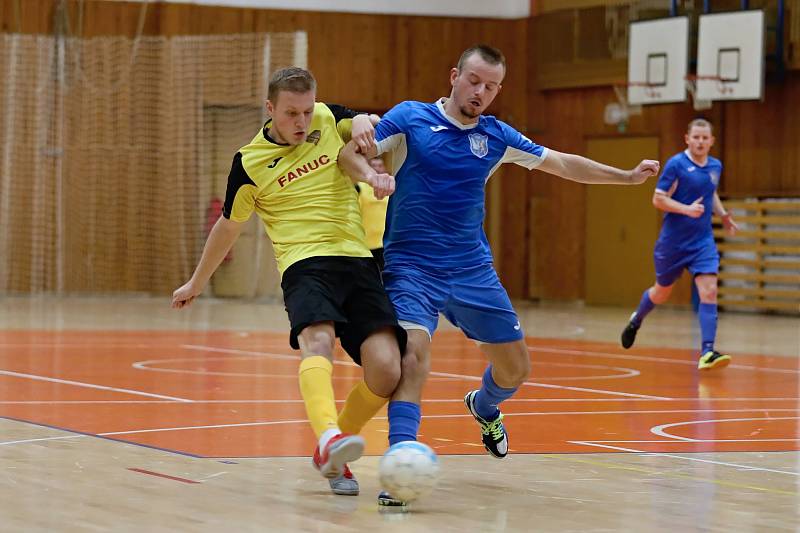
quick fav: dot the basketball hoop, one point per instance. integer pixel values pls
(698, 104)
(652, 91)
(617, 113)
(724, 88)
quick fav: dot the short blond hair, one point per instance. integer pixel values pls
(292, 79)
(700, 123)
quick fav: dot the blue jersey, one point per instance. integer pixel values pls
(435, 216)
(693, 181)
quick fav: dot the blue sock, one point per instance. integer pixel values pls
(645, 306)
(404, 420)
(707, 314)
(490, 395)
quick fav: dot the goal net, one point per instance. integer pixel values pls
(114, 154)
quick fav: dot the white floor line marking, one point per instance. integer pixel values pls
(596, 391)
(145, 365)
(150, 365)
(213, 426)
(26, 441)
(445, 374)
(624, 371)
(157, 430)
(441, 400)
(659, 430)
(90, 385)
(203, 348)
(673, 456)
(466, 415)
(656, 359)
(560, 387)
(673, 441)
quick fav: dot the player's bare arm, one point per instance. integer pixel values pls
(727, 220)
(583, 170)
(363, 131)
(357, 167)
(220, 240)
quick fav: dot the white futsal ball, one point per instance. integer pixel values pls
(408, 470)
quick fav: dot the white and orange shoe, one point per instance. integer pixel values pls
(341, 449)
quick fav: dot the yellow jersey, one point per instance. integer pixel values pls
(373, 215)
(307, 204)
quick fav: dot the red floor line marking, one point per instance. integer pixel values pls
(182, 480)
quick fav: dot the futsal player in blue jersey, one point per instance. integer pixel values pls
(437, 257)
(687, 193)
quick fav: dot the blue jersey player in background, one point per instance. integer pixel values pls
(687, 193)
(437, 256)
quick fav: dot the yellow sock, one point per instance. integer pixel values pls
(316, 387)
(360, 406)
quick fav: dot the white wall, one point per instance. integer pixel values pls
(506, 9)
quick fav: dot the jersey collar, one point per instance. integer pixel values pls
(440, 106)
(689, 157)
(265, 132)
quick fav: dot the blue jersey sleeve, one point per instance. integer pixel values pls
(520, 149)
(668, 177)
(392, 127)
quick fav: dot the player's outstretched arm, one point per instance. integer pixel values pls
(355, 165)
(219, 242)
(583, 170)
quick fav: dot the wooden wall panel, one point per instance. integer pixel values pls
(572, 116)
(761, 143)
(758, 142)
(373, 62)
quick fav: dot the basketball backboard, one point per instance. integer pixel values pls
(730, 56)
(658, 59)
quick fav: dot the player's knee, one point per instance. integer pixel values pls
(383, 376)
(515, 372)
(523, 370)
(318, 341)
(659, 295)
(416, 366)
(708, 294)
(380, 359)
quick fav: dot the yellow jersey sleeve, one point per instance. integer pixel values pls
(344, 120)
(240, 196)
(373, 215)
(345, 129)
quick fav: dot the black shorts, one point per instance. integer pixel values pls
(377, 253)
(345, 290)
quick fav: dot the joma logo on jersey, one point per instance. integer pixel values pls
(305, 169)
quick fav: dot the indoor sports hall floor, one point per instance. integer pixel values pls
(122, 414)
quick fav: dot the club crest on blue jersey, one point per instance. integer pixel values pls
(479, 144)
(714, 177)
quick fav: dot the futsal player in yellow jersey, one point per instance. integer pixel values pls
(289, 176)
(373, 213)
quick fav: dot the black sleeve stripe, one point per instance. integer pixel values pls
(236, 179)
(341, 112)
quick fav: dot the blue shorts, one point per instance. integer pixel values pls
(670, 263)
(472, 299)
